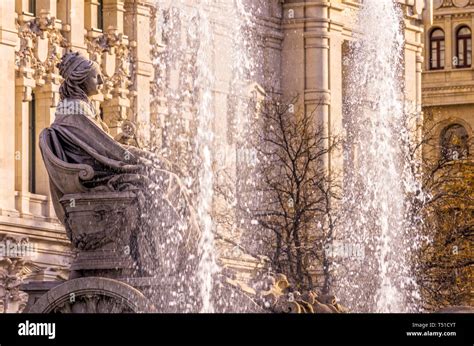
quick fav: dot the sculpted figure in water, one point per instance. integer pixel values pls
(166, 231)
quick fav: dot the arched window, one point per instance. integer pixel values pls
(437, 49)
(464, 47)
(454, 142)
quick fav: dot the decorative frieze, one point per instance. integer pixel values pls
(15, 265)
(40, 49)
(452, 3)
(111, 51)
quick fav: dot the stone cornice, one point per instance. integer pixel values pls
(447, 95)
(466, 13)
(456, 88)
(34, 228)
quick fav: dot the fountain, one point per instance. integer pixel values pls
(194, 83)
(162, 254)
(377, 178)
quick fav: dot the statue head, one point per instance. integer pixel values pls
(82, 77)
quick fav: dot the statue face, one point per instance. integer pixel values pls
(93, 83)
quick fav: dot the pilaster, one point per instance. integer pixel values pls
(113, 12)
(72, 15)
(137, 28)
(317, 95)
(8, 40)
(47, 6)
(24, 87)
(46, 97)
(449, 39)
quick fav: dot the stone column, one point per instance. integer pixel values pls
(306, 39)
(71, 13)
(292, 68)
(273, 38)
(419, 75)
(316, 46)
(46, 97)
(115, 106)
(23, 95)
(449, 39)
(335, 118)
(137, 27)
(419, 69)
(113, 14)
(8, 40)
(49, 6)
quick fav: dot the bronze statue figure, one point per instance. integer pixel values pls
(124, 210)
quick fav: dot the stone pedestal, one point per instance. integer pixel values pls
(91, 295)
(101, 228)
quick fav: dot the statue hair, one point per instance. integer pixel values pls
(75, 69)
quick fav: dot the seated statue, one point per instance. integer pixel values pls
(103, 191)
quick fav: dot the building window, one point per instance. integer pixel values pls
(454, 143)
(437, 49)
(464, 47)
(100, 15)
(32, 6)
(32, 145)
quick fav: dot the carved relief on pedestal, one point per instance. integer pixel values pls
(91, 304)
(93, 295)
(101, 227)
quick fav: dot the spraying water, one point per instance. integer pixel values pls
(205, 82)
(377, 179)
(202, 64)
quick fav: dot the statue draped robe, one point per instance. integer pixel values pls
(168, 232)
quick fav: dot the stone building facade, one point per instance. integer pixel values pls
(33, 37)
(448, 91)
(302, 44)
(448, 106)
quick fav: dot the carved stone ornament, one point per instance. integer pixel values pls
(111, 50)
(450, 3)
(276, 295)
(40, 50)
(12, 273)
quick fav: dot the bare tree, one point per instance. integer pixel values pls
(443, 211)
(296, 190)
